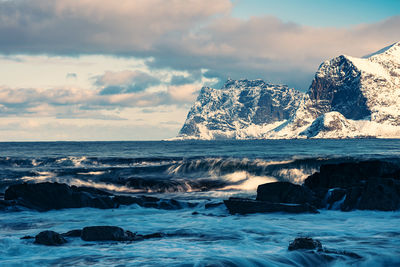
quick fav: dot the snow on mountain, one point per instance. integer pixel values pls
(240, 109)
(349, 97)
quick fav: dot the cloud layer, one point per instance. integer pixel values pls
(185, 35)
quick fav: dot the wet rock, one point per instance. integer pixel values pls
(342, 253)
(73, 233)
(50, 238)
(285, 192)
(6, 204)
(334, 196)
(27, 237)
(306, 243)
(213, 205)
(247, 206)
(149, 202)
(48, 196)
(154, 235)
(376, 194)
(367, 185)
(349, 174)
(106, 233)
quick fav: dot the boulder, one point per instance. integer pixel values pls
(348, 174)
(285, 192)
(106, 233)
(150, 202)
(366, 185)
(334, 197)
(73, 233)
(376, 194)
(306, 243)
(50, 238)
(247, 206)
(314, 246)
(48, 196)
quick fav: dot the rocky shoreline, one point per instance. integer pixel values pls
(53, 196)
(363, 185)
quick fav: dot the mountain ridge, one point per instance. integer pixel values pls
(349, 97)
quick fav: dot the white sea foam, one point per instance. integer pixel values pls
(40, 177)
(91, 173)
(244, 181)
(104, 186)
(201, 240)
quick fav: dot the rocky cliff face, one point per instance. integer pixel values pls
(349, 97)
(240, 109)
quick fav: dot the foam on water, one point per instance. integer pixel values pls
(201, 172)
(210, 238)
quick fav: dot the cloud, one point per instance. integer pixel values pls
(71, 76)
(187, 35)
(183, 93)
(73, 102)
(99, 26)
(125, 82)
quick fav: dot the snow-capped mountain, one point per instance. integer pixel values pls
(240, 109)
(349, 97)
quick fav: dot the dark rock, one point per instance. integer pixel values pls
(90, 190)
(106, 233)
(213, 205)
(246, 206)
(376, 194)
(47, 196)
(73, 233)
(154, 235)
(285, 192)
(342, 253)
(149, 202)
(27, 237)
(7, 204)
(366, 185)
(345, 175)
(334, 195)
(50, 238)
(127, 200)
(305, 243)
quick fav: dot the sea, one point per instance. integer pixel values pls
(201, 172)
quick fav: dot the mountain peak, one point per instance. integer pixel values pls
(393, 49)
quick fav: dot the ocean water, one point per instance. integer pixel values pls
(201, 172)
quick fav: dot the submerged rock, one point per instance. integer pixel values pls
(305, 243)
(27, 237)
(106, 233)
(73, 233)
(309, 244)
(247, 206)
(50, 238)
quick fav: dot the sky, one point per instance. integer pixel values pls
(131, 69)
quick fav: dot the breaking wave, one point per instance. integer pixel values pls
(162, 174)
